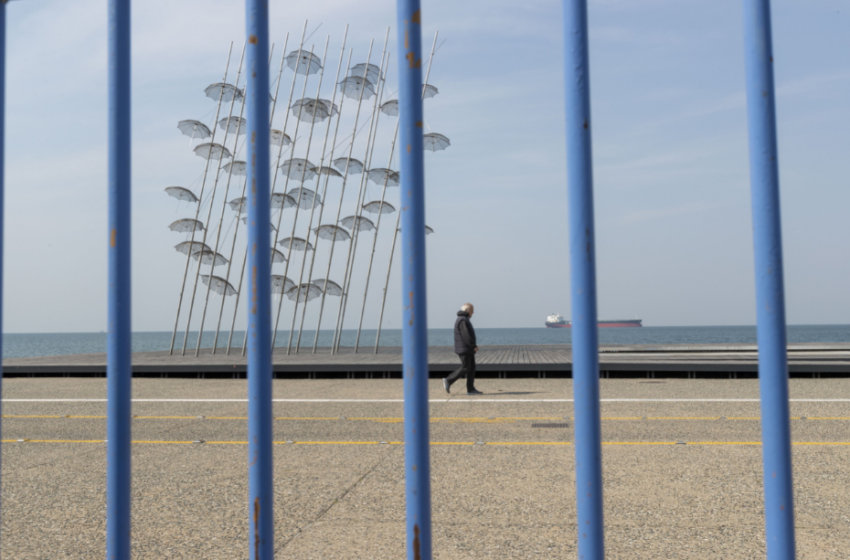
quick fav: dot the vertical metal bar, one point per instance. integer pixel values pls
(260, 475)
(2, 179)
(398, 218)
(770, 291)
(414, 302)
(118, 349)
(588, 446)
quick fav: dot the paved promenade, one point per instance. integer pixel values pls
(682, 471)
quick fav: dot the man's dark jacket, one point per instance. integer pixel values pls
(464, 334)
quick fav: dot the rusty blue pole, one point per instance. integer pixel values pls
(260, 476)
(585, 343)
(770, 290)
(417, 468)
(118, 351)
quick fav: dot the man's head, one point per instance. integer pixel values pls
(468, 307)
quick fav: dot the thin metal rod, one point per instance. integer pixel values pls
(588, 447)
(417, 467)
(2, 179)
(274, 182)
(211, 203)
(221, 226)
(398, 218)
(119, 338)
(286, 185)
(200, 199)
(375, 240)
(260, 451)
(770, 289)
(342, 190)
(322, 206)
(364, 179)
(298, 201)
(244, 185)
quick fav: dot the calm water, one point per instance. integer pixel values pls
(53, 344)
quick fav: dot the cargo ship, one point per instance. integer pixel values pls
(556, 321)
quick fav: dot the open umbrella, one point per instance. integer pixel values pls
(304, 292)
(239, 168)
(390, 108)
(373, 73)
(219, 285)
(238, 204)
(354, 166)
(208, 256)
(194, 246)
(298, 168)
(334, 233)
(277, 137)
(234, 124)
(329, 286)
(303, 62)
(312, 110)
(212, 151)
(329, 171)
(429, 91)
(297, 243)
(277, 256)
(351, 86)
(305, 197)
(281, 284)
(435, 142)
(378, 207)
(186, 225)
(194, 129)
(280, 200)
(380, 175)
(225, 91)
(181, 194)
(363, 224)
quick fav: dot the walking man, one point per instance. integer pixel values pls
(465, 347)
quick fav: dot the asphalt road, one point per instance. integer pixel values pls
(682, 469)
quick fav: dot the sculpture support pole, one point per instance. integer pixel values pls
(770, 289)
(119, 339)
(417, 468)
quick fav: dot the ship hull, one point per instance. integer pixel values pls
(601, 324)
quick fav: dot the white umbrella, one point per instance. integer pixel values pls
(377, 207)
(181, 194)
(219, 285)
(194, 129)
(212, 151)
(225, 91)
(186, 225)
(297, 243)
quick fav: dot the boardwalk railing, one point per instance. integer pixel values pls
(773, 369)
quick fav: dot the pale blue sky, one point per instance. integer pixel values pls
(670, 153)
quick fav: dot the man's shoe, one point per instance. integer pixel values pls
(474, 392)
(446, 386)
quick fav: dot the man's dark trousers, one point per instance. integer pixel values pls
(467, 368)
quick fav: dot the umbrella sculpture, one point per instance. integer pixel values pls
(181, 194)
(354, 166)
(331, 287)
(239, 167)
(186, 225)
(303, 62)
(212, 151)
(373, 74)
(234, 124)
(363, 224)
(208, 256)
(378, 207)
(304, 292)
(429, 92)
(308, 198)
(334, 233)
(351, 86)
(194, 129)
(298, 168)
(277, 256)
(381, 175)
(297, 243)
(428, 230)
(435, 142)
(226, 92)
(219, 285)
(194, 246)
(271, 226)
(277, 138)
(280, 201)
(281, 284)
(238, 204)
(390, 108)
(312, 110)
(329, 171)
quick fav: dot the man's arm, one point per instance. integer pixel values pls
(468, 337)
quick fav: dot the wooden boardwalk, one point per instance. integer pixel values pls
(504, 360)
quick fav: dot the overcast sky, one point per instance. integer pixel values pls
(670, 154)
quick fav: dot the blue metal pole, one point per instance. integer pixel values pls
(588, 446)
(119, 372)
(260, 479)
(2, 174)
(417, 473)
(770, 291)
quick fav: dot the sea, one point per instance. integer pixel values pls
(55, 344)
